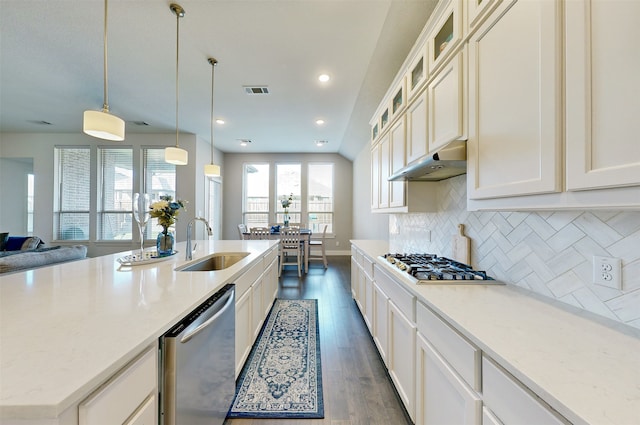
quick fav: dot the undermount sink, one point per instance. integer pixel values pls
(216, 261)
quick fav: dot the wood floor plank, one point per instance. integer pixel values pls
(356, 387)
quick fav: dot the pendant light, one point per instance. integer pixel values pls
(176, 155)
(102, 124)
(212, 170)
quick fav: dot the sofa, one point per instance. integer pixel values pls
(18, 253)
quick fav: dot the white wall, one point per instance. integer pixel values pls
(343, 177)
(13, 194)
(190, 178)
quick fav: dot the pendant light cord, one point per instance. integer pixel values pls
(213, 63)
(177, 61)
(105, 105)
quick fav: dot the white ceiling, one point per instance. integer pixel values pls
(51, 67)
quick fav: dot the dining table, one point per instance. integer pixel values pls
(305, 237)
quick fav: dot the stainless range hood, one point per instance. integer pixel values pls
(450, 161)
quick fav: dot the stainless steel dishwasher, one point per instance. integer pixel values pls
(198, 358)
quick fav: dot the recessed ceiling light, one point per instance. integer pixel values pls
(244, 142)
(219, 121)
(321, 143)
(319, 122)
(324, 78)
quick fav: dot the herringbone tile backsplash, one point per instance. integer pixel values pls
(550, 253)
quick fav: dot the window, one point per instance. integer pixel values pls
(30, 188)
(255, 208)
(320, 197)
(71, 210)
(288, 177)
(159, 179)
(115, 183)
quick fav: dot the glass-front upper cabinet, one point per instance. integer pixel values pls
(417, 73)
(398, 101)
(374, 132)
(384, 119)
(447, 33)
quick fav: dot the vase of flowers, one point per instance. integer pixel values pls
(286, 203)
(166, 210)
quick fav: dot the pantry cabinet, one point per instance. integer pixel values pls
(515, 102)
(602, 92)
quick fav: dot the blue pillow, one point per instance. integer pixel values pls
(16, 243)
(275, 229)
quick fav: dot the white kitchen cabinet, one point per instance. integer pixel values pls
(355, 272)
(447, 106)
(488, 418)
(477, 11)
(397, 136)
(402, 343)
(462, 355)
(257, 301)
(380, 322)
(511, 402)
(515, 102)
(443, 397)
(385, 168)
(244, 329)
(375, 177)
(417, 143)
(130, 397)
(602, 92)
(255, 291)
(447, 33)
(416, 74)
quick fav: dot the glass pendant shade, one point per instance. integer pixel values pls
(176, 156)
(103, 125)
(212, 170)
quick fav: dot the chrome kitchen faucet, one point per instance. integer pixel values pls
(189, 253)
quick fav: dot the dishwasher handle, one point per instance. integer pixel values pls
(208, 322)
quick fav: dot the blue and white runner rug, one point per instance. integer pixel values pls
(282, 377)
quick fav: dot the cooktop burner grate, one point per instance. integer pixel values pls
(430, 267)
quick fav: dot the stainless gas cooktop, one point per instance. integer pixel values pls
(432, 269)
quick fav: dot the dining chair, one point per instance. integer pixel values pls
(290, 246)
(259, 233)
(242, 229)
(319, 245)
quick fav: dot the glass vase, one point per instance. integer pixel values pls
(164, 244)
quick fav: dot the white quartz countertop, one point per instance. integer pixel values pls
(586, 368)
(65, 329)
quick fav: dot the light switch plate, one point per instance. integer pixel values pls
(607, 271)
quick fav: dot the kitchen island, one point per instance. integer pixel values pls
(502, 349)
(66, 329)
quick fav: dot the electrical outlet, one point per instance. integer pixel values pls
(607, 271)
(337, 243)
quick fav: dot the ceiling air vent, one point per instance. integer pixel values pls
(255, 90)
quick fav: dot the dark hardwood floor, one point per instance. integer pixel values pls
(356, 386)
